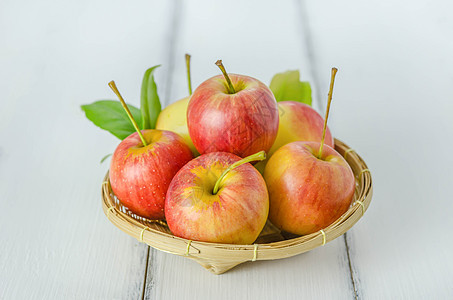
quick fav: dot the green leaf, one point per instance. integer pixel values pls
(110, 115)
(150, 106)
(287, 86)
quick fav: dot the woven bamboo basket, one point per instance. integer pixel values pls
(271, 244)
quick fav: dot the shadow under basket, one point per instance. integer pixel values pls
(271, 244)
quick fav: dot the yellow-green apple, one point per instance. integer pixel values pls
(239, 116)
(297, 122)
(140, 175)
(174, 116)
(218, 197)
(307, 192)
(143, 166)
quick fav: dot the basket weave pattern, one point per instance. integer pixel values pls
(271, 244)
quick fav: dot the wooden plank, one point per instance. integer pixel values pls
(321, 273)
(55, 241)
(259, 39)
(392, 103)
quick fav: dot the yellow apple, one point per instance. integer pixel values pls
(174, 118)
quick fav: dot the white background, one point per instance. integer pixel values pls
(392, 103)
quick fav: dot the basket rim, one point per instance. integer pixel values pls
(166, 242)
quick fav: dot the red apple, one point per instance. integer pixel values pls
(140, 175)
(307, 193)
(241, 118)
(233, 212)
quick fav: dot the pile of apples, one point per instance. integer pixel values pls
(198, 173)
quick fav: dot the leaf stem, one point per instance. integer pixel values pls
(112, 85)
(329, 100)
(189, 83)
(254, 157)
(227, 78)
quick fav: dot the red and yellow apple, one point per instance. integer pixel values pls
(140, 175)
(242, 122)
(307, 193)
(233, 211)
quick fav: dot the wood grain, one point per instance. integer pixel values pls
(55, 242)
(249, 43)
(391, 102)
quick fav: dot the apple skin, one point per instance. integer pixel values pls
(307, 194)
(140, 176)
(297, 122)
(174, 118)
(235, 215)
(242, 123)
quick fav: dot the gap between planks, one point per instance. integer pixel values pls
(146, 273)
(307, 43)
(173, 35)
(307, 40)
(353, 281)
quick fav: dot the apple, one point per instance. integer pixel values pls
(174, 118)
(239, 116)
(140, 175)
(143, 166)
(307, 193)
(310, 184)
(218, 197)
(297, 122)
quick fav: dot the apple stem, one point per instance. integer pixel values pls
(112, 85)
(254, 157)
(188, 73)
(227, 78)
(329, 100)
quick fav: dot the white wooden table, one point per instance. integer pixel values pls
(393, 103)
